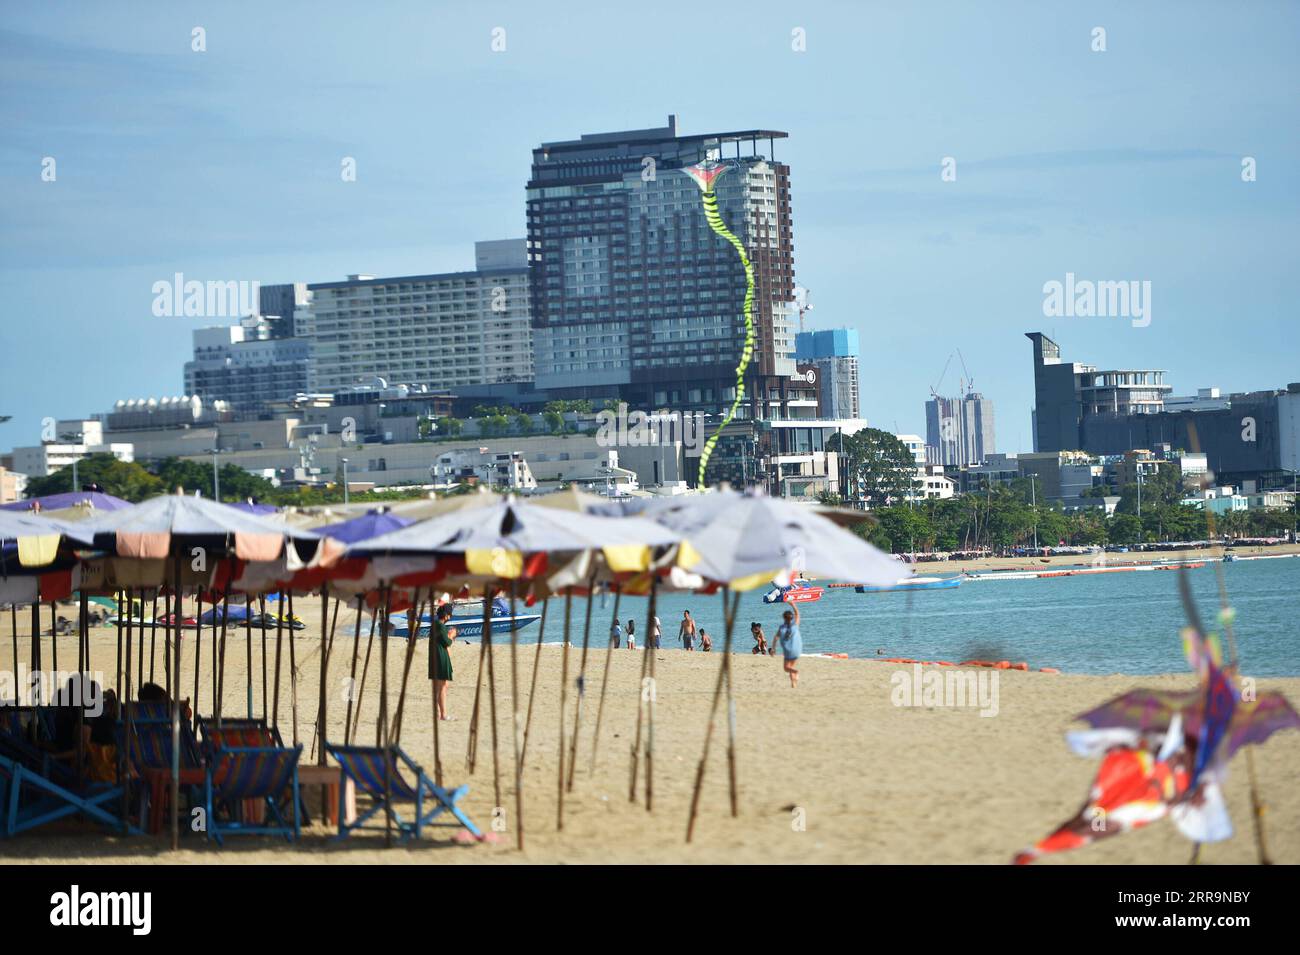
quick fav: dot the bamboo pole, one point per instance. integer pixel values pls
(582, 675)
(352, 678)
(640, 713)
(729, 616)
(651, 690)
(125, 692)
(221, 677)
(140, 637)
(198, 649)
(471, 753)
(515, 715)
(248, 655)
(279, 647)
(176, 706)
(361, 687)
(492, 693)
(532, 689)
(413, 615)
(293, 671)
(564, 683)
(604, 684)
(261, 619)
(435, 674)
(381, 729)
(54, 635)
(319, 741)
(153, 634)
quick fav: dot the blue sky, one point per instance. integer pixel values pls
(1115, 165)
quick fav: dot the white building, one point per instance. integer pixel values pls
(482, 465)
(44, 459)
(448, 330)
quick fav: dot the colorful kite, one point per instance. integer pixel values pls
(1166, 753)
(705, 175)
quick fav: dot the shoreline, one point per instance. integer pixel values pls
(875, 782)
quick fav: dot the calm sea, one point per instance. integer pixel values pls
(1106, 623)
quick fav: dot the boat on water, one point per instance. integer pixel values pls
(798, 591)
(914, 583)
(467, 618)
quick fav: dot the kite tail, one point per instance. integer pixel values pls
(714, 218)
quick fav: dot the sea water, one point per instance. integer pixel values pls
(1101, 623)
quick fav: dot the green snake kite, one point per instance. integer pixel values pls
(705, 175)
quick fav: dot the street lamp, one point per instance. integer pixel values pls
(345, 480)
(216, 481)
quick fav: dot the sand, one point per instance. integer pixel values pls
(872, 782)
(945, 567)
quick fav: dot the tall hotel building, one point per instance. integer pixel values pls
(446, 331)
(633, 295)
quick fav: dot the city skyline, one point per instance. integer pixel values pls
(227, 168)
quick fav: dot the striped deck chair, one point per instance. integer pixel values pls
(268, 774)
(29, 799)
(407, 783)
(150, 752)
(238, 732)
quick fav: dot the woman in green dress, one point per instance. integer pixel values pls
(441, 637)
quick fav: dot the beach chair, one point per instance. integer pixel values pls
(29, 799)
(266, 774)
(150, 750)
(367, 766)
(238, 732)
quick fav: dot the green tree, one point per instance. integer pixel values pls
(1125, 529)
(880, 469)
(125, 479)
(554, 419)
(524, 423)
(450, 427)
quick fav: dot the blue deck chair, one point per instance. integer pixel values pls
(236, 774)
(407, 783)
(28, 800)
(238, 731)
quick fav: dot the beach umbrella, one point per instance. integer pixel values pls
(178, 526)
(513, 541)
(74, 505)
(370, 524)
(746, 540)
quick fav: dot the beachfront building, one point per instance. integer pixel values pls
(1061, 475)
(997, 469)
(44, 459)
(1250, 436)
(12, 485)
(959, 431)
(635, 298)
(247, 365)
(503, 469)
(831, 356)
(441, 331)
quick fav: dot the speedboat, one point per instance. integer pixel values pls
(914, 583)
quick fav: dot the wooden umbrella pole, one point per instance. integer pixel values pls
(471, 750)
(728, 616)
(83, 628)
(140, 640)
(176, 706)
(564, 684)
(293, 672)
(125, 691)
(318, 741)
(36, 639)
(651, 691)
(731, 701)
(54, 636)
(361, 687)
(413, 616)
(279, 645)
(216, 649)
(117, 671)
(126, 653)
(261, 622)
(13, 631)
(604, 684)
(248, 654)
(515, 715)
(198, 649)
(640, 713)
(381, 729)
(492, 695)
(334, 625)
(352, 679)
(221, 676)
(435, 674)
(582, 676)
(153, 634)
(532, 688)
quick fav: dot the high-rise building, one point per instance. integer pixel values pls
(246, 365)
(633, 295)
(833, 353)
(960, 431)
(444, 331)
(1253, 436)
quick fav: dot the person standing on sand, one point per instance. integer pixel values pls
(706, 642)
(615, 636)
(686, 632)
(760, 639)
(656, 631)
(441, 639)
(791, 641)
(631, 634)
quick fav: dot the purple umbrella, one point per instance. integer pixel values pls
(369, 524)
(53, 502)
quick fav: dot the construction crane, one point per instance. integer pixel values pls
(801, 301)
(967, 382)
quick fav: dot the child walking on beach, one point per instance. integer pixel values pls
(791, 641)
(706, 642)
(760, 639)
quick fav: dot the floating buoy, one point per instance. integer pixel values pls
(1048, 670)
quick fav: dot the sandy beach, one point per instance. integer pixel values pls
(872, 782)
(944, 567)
